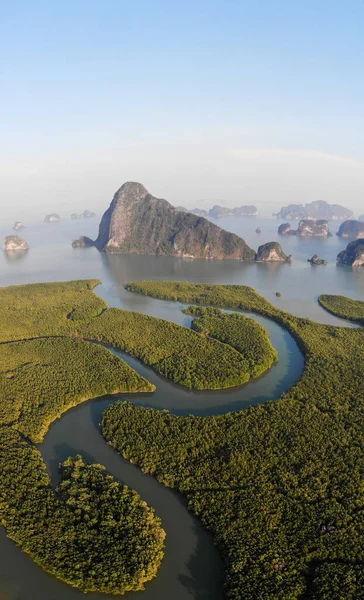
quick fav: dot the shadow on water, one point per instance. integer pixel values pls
(194, 584)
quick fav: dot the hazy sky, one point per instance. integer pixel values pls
(201, 100)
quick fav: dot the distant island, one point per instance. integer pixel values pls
(318, 209)
(361, 218)
(351, 229)
(306, 227)
(199, 212)
(137, 222)
(18, 226)
(52, 218)
(218, 211)
(14, 243)
(86, 214)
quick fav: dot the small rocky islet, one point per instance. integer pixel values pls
(82, 242)
(316, 260)
(307, 227)
(351, 229)
(52, 218)
(86, 214)
(13, 243)
(353, 255)
(272, 252)
(18, 226)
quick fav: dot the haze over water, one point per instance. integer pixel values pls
(51, 258)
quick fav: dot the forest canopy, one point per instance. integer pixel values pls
(280, 484)
(343, 307)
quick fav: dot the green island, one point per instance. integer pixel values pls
(242, 333)
(279, 485)
(42, 378)
(343, 307)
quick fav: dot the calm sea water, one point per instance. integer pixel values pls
(52, 258)
(191, 569)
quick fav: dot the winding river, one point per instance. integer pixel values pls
(191, 568)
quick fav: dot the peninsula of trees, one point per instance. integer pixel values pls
(279, 485)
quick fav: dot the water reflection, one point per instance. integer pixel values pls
(13, 255)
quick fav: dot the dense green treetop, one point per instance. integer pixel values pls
(92, 533)
(242, 333)
(44, 377)
(38, 309)
(280, 484)
(60, 309)
(343, 307)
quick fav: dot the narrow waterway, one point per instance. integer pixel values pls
(192, 568)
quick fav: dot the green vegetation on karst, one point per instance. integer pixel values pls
(280, 485)
(93, 533)
(242, 333)
(343, 307)
(45, 377)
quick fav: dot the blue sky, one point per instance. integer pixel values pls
(201, 101)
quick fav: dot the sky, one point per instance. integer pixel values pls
(202, 101)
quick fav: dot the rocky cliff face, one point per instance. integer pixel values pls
(351, 229)
(14, 242)
(284, 229)
(353, 255)
(315, 210)
(137, 222)
(307, 227)
(272, 252)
